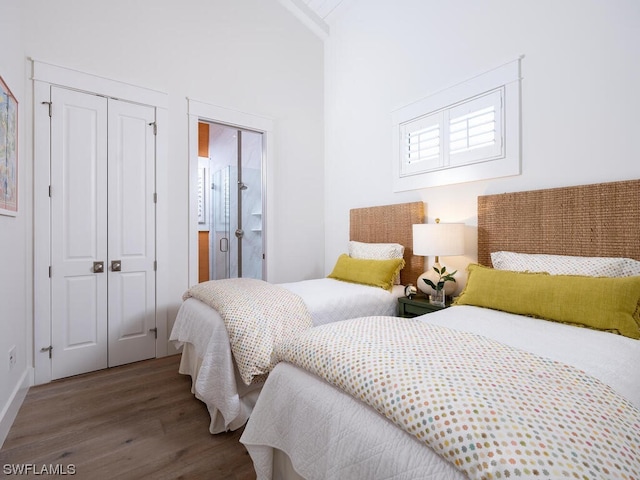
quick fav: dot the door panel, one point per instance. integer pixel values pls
(81, 329)
(131, 232)
(78, 232)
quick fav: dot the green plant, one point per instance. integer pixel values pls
(443, 277)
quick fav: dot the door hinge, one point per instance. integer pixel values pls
(155, 127)
(47, 349)
(155, 265)
(49, 191)
(155, 331)
(49, 271)
(155, 198)
(49, 104)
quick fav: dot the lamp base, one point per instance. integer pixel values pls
(449, 287)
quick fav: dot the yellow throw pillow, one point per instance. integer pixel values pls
(602, 303)
(378, 273)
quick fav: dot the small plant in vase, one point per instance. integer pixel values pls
(438, 295)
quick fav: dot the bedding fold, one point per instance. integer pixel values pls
(256, 315)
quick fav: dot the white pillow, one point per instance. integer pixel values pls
(630, 267)
(376, 251)
(566, 264)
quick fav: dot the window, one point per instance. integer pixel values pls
(422, 144)
(475, 129)
(460, 134)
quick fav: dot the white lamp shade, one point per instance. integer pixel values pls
(438, 239)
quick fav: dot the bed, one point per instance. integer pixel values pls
(539, 399)
(222, 377)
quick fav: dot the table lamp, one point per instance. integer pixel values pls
(437, 239)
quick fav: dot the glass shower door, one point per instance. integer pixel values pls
(236, 248)
(251, 206)
(221, 225)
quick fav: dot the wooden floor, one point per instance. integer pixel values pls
(137, 421)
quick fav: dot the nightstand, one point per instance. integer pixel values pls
(418, 305)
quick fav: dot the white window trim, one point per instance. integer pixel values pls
(505, 162)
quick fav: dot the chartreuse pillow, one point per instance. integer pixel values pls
(603, 303)
(378, 273)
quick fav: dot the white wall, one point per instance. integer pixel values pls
(15, 240)
(249, 55)
(580, 95)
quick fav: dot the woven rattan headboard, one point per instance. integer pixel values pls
(390, 224)
(591, 220)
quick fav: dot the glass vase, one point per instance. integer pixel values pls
(437, 297)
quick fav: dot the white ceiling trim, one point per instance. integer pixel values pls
(308, 17)
(323, 7)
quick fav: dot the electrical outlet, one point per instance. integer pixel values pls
(12, 357)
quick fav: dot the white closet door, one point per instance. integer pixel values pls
(102, 232)
(78, 232)
(131, 272)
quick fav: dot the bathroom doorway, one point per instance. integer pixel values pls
(230, 202)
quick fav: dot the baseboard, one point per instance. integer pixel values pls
(10, 410)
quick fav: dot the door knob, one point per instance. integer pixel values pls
(239, 233)
(98, 267)
(116, 265)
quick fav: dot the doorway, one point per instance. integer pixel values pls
(230, 206)
(199, 113)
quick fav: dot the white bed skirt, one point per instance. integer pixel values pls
(246, 397)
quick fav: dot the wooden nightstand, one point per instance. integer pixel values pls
(418, 305)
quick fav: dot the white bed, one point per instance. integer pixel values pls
(305, 427)
(207, 356)
(329, 435)
(200, 330)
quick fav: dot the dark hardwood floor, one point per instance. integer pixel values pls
(138, 421)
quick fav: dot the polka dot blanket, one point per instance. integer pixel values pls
(256, 315)
(490, 409)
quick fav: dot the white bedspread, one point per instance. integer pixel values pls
(320, 428)
(207, 354)
(330, 300)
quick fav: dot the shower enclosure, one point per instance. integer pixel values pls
(233, 209)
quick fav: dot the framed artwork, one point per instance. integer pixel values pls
(8, 151)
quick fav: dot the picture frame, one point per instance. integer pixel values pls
(8, 151)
